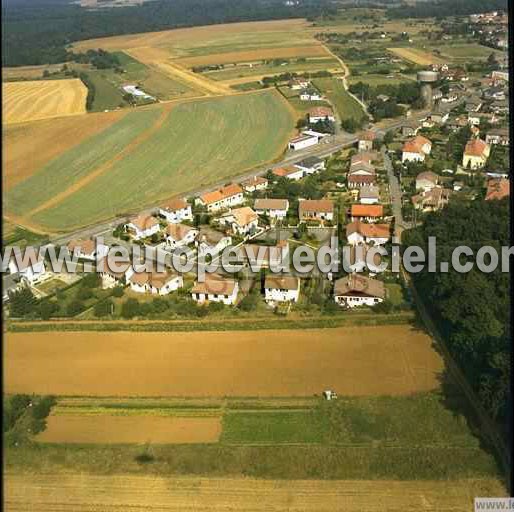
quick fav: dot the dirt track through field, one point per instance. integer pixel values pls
(140, 139)
(40, 99)
(105, 429)
(417, 56)
(87, 493)
(355, 361)
(159, 58)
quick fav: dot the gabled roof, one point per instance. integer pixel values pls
(282, 282)
(143, 222)
(316, 205)
(368, 230)
(367, 210)
(154, 279)
(285, 171)
(428, 176)
(321, 112)
(476, 147)
(361, 285)
(175, 204)
(242, 216)
(178, 231)
(215, 284)
(222, 193)
(84, 246)
(271, 204)
(415, 145)
(253, 181)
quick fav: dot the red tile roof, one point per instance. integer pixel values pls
(367, 210)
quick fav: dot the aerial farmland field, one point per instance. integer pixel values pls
(356, 361)
(417, 56)
(40, 99)
(156, 153)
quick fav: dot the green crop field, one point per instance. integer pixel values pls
(374, 79)
(462, 53)
(199, 143)
(346, 106)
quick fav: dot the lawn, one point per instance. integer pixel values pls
(464, 52)
(375, 79)
(107, 95)
(197, 144)
(346, 106)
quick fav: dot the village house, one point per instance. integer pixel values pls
(29, 264)
(180, 235)
(310, 95)
(432, 200)
(410, 128)
(303, 141)
(497, 188)
(216, 288)
(315, 209)
(369, 194)
(358, 233)
(311, 165)
(210, 241)
(416, 149)
(114, 271)
(255, 184)
(476, 154)
(281, 289)
(143, 226)
(274, 208)
(358, 290)
(243, 221)
(299, 83)
(357, 181)
(290, 172)
(426, 180)
(499, 136)
(225, 197)
(156, 283)
(366, 139)
(321, 114)
(368, 212)
(176, 210)
(264, 256)
(87, 249)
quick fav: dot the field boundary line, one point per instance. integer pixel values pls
(127, 150)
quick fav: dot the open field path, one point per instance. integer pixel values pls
(143, 137)
(159, 59)
(58, 492)
(345, 81)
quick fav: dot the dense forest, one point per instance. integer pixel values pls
(38, 32)
(471, 309)
(445, 8)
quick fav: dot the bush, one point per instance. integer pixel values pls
(84, 294)
(91, 280)
(47, 309)
(130, 308)
(103, 308)
(21, 302)
(41, 409)
(74, 308)
(117, 291)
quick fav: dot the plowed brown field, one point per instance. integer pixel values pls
(87, 493)
(355, 361)
(105, 429)
(41, 99)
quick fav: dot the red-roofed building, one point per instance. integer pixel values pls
(476, 154)
(416, 149)
(369, 212)
(497, 189)
(176, 210)
(225, 197)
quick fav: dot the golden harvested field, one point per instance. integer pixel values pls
(356, 361)
(417, 56)
(314, 50)
(33, 145)
(41, 99)
(192, 36)
(82, 492)
(105, 429)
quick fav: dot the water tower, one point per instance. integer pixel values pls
(427, 79)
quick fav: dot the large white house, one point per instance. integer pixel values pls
(416, 149)
(281, 289)
(225, 197)
(316, 209)
(243, 221)
(303, 141)
(216, 288)
(178, 235)
(273, 208)
(88, 249)
(358, 290)
(176, 210)
(143, 226)
(157, 283)
(210, 241)
(29, 264)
